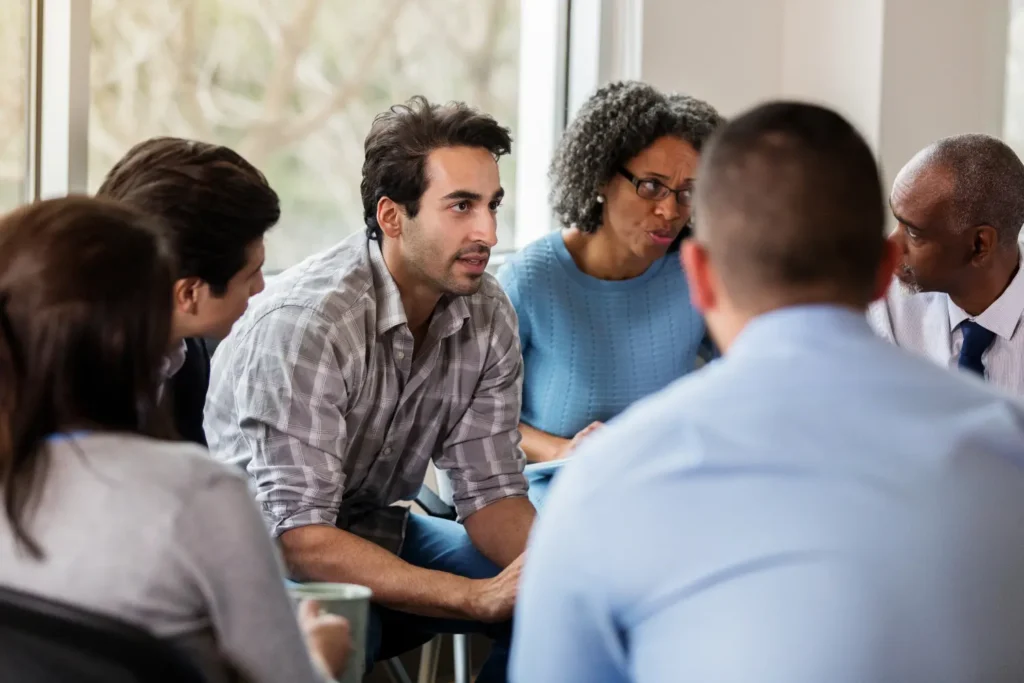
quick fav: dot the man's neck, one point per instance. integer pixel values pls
(989, 286)
(176, 338)
(726, 325)
(418, 299)
(181, 328)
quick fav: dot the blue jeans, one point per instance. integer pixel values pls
(442, 545)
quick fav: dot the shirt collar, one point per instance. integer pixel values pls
(449, 316)
(1003, 316)
(390, 311)
(452, 314)
(174, 360)
(805, 322)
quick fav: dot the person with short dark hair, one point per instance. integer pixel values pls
(99, 510)
(816, 505)
(958, 295)
(357, 367)
(598, 320)
(217, 207)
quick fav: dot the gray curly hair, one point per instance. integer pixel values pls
(988, 183)
(618, 122)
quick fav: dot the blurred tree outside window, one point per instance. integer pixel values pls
(292, 85)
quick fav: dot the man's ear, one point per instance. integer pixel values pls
(389, 217)
(699, 276)
(984, 243)
(186, 292)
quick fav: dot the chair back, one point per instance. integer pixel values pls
(49, 642)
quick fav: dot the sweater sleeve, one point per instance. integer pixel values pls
(224, 547)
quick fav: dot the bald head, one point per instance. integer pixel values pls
(974, 179)
(790, 206)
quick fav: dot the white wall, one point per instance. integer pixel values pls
(832, 54)
(728, 52)
(943, 75)
(906, 72)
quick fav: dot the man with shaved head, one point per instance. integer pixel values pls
(817, 505)
(959, 297)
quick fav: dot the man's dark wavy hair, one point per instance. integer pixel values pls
(214, 203)
(401, 139)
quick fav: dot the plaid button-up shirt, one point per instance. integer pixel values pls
(319, 396)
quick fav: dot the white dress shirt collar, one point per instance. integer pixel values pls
(1003, 316)
(174, 360)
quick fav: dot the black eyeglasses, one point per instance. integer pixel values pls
(649, 188)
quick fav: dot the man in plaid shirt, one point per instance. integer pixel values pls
(357, 367)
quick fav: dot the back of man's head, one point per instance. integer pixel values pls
(215, 203)
(790, 208)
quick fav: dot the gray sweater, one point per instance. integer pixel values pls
(162, 536)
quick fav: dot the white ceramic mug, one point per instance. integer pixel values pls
(347, 600)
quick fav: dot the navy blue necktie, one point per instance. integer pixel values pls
(976, 340)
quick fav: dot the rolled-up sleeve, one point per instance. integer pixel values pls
(290, 404)
(481, 454)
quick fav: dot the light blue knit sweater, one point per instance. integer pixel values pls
(592, 347)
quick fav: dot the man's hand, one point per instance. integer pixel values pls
(327, 638)
(322, 553)
(494, 600)
(568, 448)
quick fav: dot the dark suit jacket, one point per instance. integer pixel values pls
(188, 391)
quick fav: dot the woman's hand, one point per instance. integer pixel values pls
(327, 638)
(569, 447)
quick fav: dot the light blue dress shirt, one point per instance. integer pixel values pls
(817, 506)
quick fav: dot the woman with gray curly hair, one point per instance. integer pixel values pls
(604, 313)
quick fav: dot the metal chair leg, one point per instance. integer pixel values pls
(396, 672)
(430, 656)
(463, 666)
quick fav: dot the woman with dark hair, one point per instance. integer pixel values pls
(97, 512)
(604, 317)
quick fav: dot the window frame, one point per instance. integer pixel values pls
(59, 40)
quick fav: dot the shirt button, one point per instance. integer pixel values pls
(400, 355)
(387, 450)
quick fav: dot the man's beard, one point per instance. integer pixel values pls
(452, 286)
(907, 278)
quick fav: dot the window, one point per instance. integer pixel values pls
(293, 86)
(14, 69)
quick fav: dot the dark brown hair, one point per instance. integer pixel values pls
(85, 315)
(789, 202)
(400, 140)
(214, 202)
